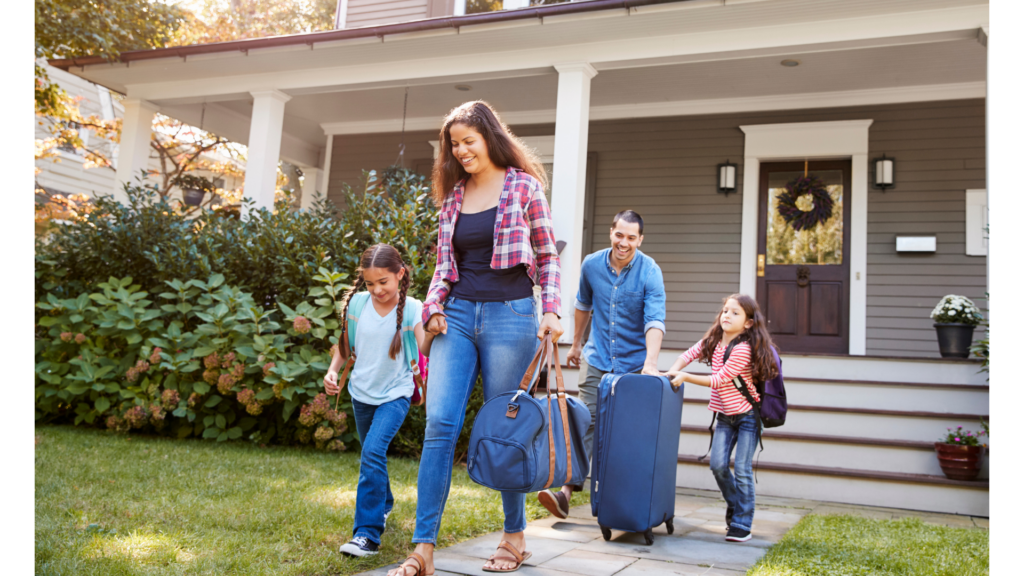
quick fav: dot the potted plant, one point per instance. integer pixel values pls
(194, 188)
(960, 453)
(955, 318)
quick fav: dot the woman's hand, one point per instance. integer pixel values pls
(331, 383)
(550, 323)
(437, 325)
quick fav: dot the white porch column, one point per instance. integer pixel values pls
(568, 186)
(265, 132)
(311, 178)
(133, 152)
(988, 154)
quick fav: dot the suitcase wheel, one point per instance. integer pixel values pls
(607, 533)
(649, 536)
(670, 526)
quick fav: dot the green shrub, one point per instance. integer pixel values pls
(239, 347)
(272, 254)
(201, 359)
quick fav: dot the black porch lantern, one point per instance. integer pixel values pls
(884, 173)
(726, 178)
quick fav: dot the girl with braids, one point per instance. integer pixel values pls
(494, 242)
(739, 351)
(382, 379)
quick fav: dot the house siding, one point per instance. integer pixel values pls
(664, 168)
(377, 12)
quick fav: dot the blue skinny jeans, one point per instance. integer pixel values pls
(739, 432)
(377, 426)
(497, 340)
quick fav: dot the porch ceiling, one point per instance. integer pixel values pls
(530, 98)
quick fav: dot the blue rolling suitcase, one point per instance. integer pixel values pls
(636, 448)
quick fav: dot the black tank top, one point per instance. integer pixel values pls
(473, 246)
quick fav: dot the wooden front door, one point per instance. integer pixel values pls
(803, 277)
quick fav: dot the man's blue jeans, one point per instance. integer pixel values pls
(497, 339)
(739, 432)
(376, 425)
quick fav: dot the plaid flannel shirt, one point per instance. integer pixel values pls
(522, 235)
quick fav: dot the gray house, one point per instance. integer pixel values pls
(697, 114)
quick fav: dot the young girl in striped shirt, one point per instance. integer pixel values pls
(740, 329)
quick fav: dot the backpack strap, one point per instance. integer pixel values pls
(355, 309)
(411, 348)
(741, 387)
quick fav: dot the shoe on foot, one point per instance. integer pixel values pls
(555, 502)
(728, 517)
(359, 546)
(737, 535)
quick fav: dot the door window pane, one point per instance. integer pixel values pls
(822, 244)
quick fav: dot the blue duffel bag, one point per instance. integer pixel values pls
(522, 444)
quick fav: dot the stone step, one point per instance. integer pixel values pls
(880, 455)
(909, 491)
(854, 422)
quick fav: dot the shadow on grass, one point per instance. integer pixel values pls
(110, 504)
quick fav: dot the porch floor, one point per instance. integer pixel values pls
(698, 546)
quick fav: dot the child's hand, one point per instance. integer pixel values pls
(331, 383)
(676, 378)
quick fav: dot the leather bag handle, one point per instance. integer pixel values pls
(526, 384)
(564, 409)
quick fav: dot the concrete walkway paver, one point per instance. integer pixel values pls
(697, 546)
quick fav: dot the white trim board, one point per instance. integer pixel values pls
(543, 146)
(809, 140)
(868, 97)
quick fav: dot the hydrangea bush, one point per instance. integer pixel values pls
(200, 359)
(954, 309)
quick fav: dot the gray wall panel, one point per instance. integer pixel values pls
(665, 169)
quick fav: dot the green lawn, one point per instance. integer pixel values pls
(108, 504)
(853, 546)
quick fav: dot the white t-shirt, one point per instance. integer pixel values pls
(376, 378)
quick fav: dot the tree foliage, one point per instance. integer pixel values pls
(225, 20)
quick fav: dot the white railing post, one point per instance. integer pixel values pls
(264, 144)
(568, 185)
(133, 152)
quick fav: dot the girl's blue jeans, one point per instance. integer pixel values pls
(497, 340)
(739, 432)
(376, 425)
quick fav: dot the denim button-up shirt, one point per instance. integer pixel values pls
(624, 307)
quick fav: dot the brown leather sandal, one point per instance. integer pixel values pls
(420, 568)
(519, 558)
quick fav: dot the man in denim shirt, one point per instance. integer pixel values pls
(623, 290)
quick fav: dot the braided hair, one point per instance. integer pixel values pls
(387, 257)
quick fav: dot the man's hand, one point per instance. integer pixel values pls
(650, 369)
(574, 356)
(331, 383)
(437, 325)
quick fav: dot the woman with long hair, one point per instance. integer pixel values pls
(494, 242)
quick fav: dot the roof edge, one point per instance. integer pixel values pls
(312, 38)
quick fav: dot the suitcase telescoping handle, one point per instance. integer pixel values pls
(548, 352)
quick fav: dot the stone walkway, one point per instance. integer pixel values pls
(698, 546)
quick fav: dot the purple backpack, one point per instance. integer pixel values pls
(771, 410)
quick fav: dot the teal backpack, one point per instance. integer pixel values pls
(409, 345)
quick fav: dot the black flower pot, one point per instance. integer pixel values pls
(192, 196)
(955, 340)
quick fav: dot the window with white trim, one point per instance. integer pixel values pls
(463, 7)
(977, 223)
